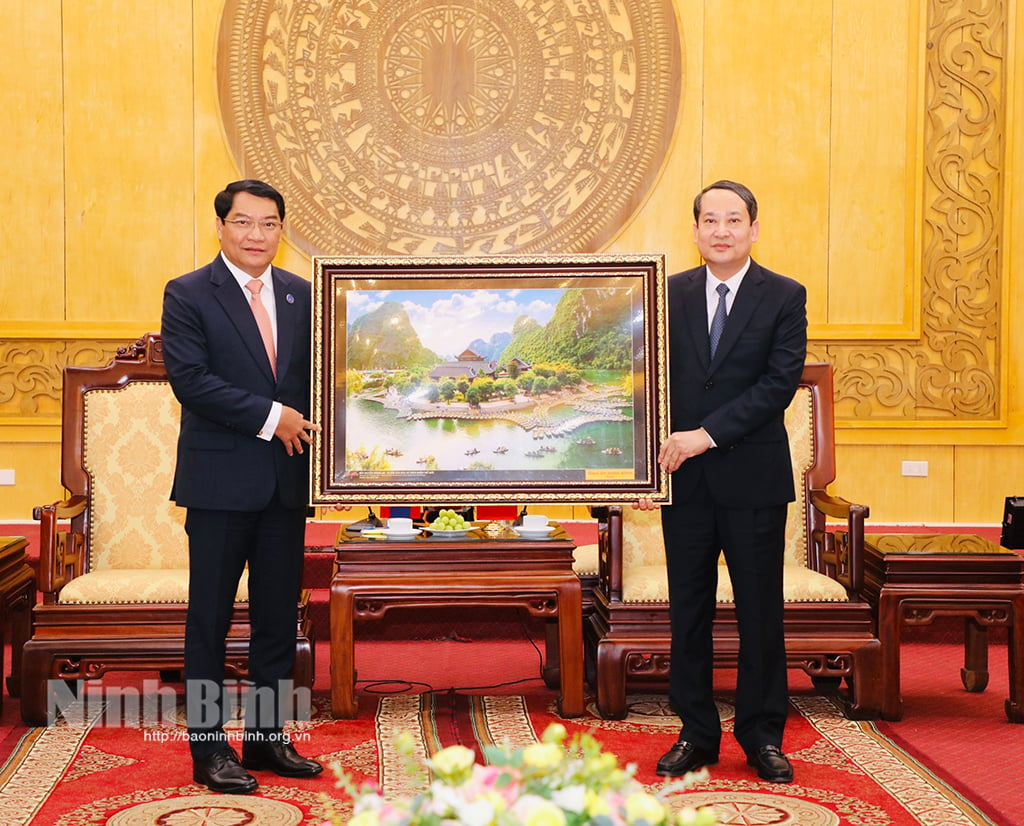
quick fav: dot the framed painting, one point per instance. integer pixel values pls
(489, 380)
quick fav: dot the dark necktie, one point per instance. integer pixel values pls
(718, 322)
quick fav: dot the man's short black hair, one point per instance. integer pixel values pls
(223, 202)
(732, 186)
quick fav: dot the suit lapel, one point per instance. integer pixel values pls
(743, 309)
(696, 314)
(233, 302)
(285, 303)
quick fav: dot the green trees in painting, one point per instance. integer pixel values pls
(586, 330)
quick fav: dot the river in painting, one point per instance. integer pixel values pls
(376, 433)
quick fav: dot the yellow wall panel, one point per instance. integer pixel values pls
(872, 476)
(665, 223)
(766, 110)
(872, 190)
(985, 476)
(32, 184)
(129, 155)
(37, 478)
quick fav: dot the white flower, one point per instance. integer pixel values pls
(571, 799)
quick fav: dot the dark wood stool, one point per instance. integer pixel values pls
(914, 578)
(17, 596)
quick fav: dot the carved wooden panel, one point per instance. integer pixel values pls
(30, 372)
(951, 375)
(453, 127)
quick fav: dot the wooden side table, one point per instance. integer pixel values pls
(17, 596)
(914, 578)
(372, 576)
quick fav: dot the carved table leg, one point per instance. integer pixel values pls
(1015, 662)
(343, 689)
(552, 670)
(570, 644)
(974, 674)
(890, 621)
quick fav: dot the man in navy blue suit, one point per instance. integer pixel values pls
(236, 342)
(737, 346)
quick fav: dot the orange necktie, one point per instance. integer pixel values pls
(263, 321)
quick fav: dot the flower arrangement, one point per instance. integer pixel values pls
(556, 782)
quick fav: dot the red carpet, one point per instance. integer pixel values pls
(964, 738)
(963, 742)
(929, 768)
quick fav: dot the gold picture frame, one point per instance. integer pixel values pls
(489, 379)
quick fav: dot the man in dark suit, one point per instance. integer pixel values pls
(737, 346)
(236, 342)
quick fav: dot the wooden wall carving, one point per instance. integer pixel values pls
(952, 374)
(456, 127)
(31, 372)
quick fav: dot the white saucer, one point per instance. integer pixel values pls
(534, 533)
(449, 534)
(393, 534)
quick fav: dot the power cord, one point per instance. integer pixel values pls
(375, 686)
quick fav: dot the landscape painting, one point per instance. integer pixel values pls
(488, 380)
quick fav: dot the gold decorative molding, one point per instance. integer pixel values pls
(951, 376)
(31, 371)
(459, 127)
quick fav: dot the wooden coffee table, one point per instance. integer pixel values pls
(480, 569)
(17, 596)
(914, 578)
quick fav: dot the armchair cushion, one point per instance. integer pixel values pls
(644, 578)
(649, 583)
(128, 452)
(584, 560)
(138, 585)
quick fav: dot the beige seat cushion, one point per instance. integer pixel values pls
(584, 560)
(649, 583)
(136, 586)
(644, 578)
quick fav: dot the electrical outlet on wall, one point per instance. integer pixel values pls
(6, 476)
(915, 468)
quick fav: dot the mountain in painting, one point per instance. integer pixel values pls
(589, 328)
(493, 348)
(384, 339)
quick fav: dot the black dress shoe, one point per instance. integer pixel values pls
(684, 757)
(221, 772)
(771, 764)
(278, 756)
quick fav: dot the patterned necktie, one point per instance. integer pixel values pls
(718, 322)
(263, 321)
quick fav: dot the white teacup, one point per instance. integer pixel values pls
(400, 524)
(534, 522)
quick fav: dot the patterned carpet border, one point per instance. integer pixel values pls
(847, 771)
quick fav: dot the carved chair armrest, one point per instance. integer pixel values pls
(842, 550)
(61, 552)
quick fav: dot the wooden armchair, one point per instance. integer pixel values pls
(830, 629)
(114, 579)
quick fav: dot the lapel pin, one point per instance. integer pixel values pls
(290, 298)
